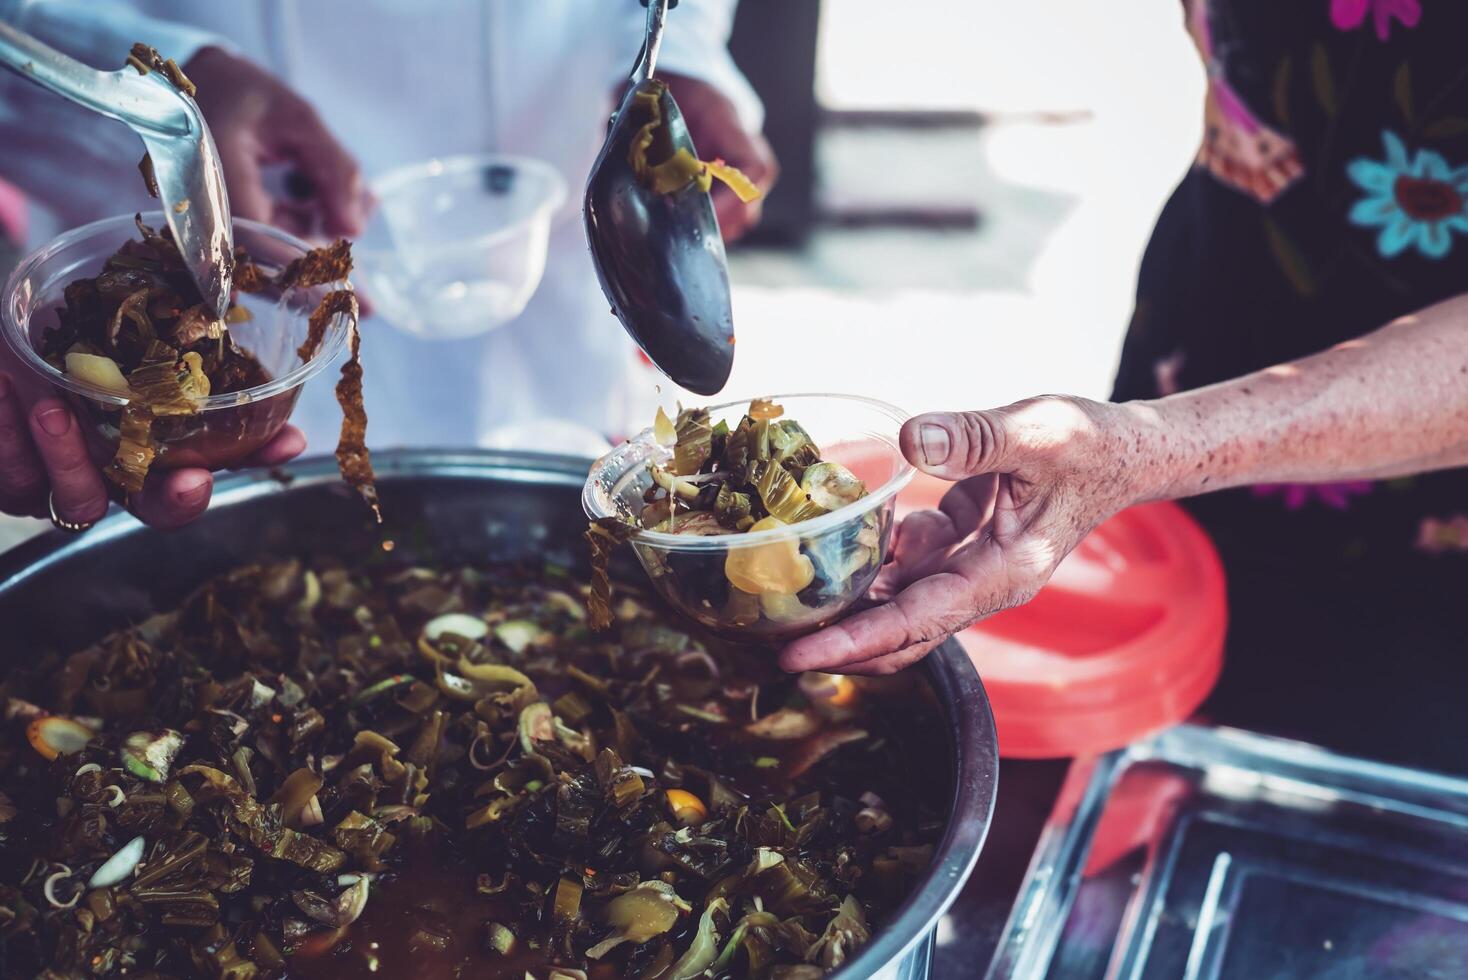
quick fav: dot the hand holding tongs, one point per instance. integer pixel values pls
(660, 256)
(185, 163)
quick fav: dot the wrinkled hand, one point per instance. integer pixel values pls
(717, 132)
(257, 121)
(43, 452)
(1031, 480)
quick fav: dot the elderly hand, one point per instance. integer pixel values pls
(44, 462)
(714, 124)
(1030, 481)
(256, 121)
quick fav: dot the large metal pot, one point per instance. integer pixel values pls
(58, 591)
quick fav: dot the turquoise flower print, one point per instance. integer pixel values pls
(1418, 202)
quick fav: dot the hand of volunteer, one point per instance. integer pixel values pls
(1030, 481)
(43, 453)
(714, 124)
(256, 121)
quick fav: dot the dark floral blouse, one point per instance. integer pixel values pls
(1330, 196)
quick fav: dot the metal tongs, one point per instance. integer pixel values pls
(660, 257)
(185, 163)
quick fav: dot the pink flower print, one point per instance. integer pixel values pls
(1238, 148)
(1347, 15)
(1436, 535)
(1336, 496)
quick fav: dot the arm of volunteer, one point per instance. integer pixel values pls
(1031, 479)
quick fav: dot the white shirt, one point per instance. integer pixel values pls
(399, 81)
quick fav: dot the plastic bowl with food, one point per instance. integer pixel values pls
(222, 430)
(458, 245)
(777, 578)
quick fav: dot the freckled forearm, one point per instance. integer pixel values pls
(1391, 403)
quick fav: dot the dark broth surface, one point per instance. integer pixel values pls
(334, 774)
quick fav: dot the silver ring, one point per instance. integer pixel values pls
(70, 527)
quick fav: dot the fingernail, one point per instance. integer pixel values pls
(54, 421)
(193, 490)
(936, 444)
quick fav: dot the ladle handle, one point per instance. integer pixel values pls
(112, 94)
(647, 59)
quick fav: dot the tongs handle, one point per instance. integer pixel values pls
(113, 94)
(647, 58)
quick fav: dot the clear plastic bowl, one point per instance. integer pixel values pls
(690, 572)
(458, 245)
(228, 428)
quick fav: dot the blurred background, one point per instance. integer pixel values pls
(968, 183)
(967, 189)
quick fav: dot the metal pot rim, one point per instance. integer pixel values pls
(949, 670)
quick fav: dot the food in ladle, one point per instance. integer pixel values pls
(332, 771)
(666, 170)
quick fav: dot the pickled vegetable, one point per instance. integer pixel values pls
(289, 786)
(777, 567)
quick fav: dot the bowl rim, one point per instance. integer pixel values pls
(395, 178)
(17, 335)
(722, 542)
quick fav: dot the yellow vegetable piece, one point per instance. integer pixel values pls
(764, 410)
(775, 567)
(677, 172)
(101, 372)
(687, 809)
(662, 429)
(742, 186)
(196, 384)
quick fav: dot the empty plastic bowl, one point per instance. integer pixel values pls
(228, 427)
(844, 549)
(458, 245)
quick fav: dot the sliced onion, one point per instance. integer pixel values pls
(350, 903)
(118, 866)
(459, 624)
(49, 890)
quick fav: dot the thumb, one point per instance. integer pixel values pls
(957, 445)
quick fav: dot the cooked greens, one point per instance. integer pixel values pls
(324, 771)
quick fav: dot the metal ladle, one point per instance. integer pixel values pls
(660, 257)
(185, 163)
